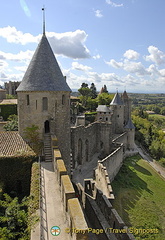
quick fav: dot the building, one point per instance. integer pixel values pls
(44, 99)
(11, 87)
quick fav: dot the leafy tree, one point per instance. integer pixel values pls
(85, 93)
(104, 98)
(32, 136)
(9, 96)
(93, 90)
(12, 124)
(13, 219)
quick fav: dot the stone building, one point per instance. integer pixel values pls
(44, 99)
(11, 87)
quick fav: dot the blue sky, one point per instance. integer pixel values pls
(120, 43)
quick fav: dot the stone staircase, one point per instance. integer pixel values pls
(47, 147)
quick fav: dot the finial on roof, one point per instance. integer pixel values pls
(43, 9)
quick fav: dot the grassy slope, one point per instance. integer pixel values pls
(140, 197)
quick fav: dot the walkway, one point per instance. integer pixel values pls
(53, 214)
(153, 163)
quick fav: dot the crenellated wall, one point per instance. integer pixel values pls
(72, 207)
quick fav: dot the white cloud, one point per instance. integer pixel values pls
(155, 56)
(131, 54)
(21, 68)
(81, 67)
(70, 44)
(98, 13)
(129, 66)
(162, 72)
(114, 64)
(113, 4)
(134, 67)
(19, 57)
(12, 35)
(3, 65)
(97, 56)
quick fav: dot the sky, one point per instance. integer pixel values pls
(118, 43)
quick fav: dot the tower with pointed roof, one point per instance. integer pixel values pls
(127, 107)
(117, 108)
(44, 98)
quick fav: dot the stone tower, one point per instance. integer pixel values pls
(117, 108)
(44, 98)
(127, 107)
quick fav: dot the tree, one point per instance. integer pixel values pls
(93, 91)
(104, 98)
(12, 124)
(85, 93)
(32, 136)
(14, 218)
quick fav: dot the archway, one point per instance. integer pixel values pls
(46, 126)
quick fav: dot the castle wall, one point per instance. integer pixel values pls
(83, 143)
(86, 141)
(113, 162)
(53, 117)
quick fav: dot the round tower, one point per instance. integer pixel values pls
(44, 98)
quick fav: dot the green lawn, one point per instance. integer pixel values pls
(140, 198)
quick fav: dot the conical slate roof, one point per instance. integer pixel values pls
(130, 124)
(103, 108)
(43, 73)
(116, 100)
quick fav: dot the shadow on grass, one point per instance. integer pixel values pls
(128, 188)
(142, 170)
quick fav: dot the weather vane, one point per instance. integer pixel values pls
(43, 9)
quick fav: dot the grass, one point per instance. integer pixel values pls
(153, 116)
(139, 198)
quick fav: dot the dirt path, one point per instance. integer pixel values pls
(153, 163)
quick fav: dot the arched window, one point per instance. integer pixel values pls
(44, 103)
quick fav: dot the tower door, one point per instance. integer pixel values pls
(47, 126)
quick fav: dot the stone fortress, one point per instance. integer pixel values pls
(44, 101)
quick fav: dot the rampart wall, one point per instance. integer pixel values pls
(113, 162)
(102, 215)
(72, 207)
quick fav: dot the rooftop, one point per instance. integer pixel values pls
(43, 73)
(102, 108)
(12, 144)
(8, 101)
(116, 100)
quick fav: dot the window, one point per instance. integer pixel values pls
(63, 99)
(27, 99)
(44, 103)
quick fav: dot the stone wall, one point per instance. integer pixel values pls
(103, 216)
(53, 117)
(78, 227)
(86, 141)
(113, 162)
